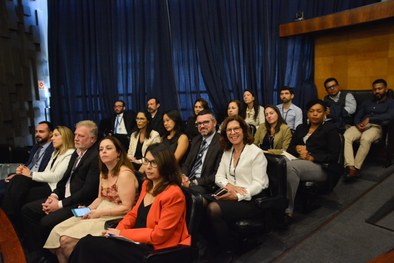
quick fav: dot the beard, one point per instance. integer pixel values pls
(379, 96)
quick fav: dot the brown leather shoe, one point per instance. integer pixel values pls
(352, 173)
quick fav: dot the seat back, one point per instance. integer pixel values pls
(5, 153)
(334, 172)
(333, 176)
(252, 129)
(273, 201)
(194, 210)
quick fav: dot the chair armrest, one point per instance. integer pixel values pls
(112, 223)
(179, 253)
(270, 202)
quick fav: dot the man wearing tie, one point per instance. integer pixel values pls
(41, 151)
(78, 186)
(204, 157)
(38, 159)
(123, 123)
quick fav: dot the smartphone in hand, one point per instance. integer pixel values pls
(79, 212)
(220, 192)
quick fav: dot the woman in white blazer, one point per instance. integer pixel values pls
(242, 173)
(141, 139)
(29, 186)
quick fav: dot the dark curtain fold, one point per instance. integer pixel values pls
(176, 50)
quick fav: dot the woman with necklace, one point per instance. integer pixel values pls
(118, 189)
(157, 220)
(274, 135)
(314, 143)
(242, 172)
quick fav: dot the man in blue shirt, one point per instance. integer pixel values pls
(290, 112)
(368, 120)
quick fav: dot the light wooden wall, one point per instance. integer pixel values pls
(356, 56)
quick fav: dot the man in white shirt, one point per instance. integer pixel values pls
(290, 112)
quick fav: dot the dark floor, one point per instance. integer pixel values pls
(337, 231)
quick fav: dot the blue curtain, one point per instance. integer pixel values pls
(176, 50)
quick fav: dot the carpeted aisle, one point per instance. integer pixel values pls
(338, 231)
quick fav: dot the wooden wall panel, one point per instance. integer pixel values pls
(20, 103)
(356, 56)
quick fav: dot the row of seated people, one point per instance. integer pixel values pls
(313, 143)
(241, 170)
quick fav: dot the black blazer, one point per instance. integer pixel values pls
(84, 182)
(129, 121)
(211, 161)
(324, 144)
(157, 123)
(45, 158)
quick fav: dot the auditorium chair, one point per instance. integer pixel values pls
(272, 201)
(252, 129)
(385, 145)
(309, 190)
(5, 153)
(194, 211)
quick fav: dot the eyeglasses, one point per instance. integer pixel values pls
(235, 130)
(331, 87)
(140, 119)
(146, 162)
(202, 123)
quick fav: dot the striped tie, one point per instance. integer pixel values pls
(198, 162)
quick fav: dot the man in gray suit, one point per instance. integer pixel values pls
(204, 157)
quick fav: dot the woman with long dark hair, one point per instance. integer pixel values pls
(174, 137)
(158, 219)
(141, 139)
(274, 135)
(191, 129)
(118, 190)
(254, 113)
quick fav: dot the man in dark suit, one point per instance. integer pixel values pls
(41, 151)
(204, 157)
(37, 161)
(121, 124)
(153, 107)
(78, 186)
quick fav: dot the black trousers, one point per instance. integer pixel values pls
(20, 191)
(102, 249)
(37, 225)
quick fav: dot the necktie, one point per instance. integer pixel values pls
(117, 121)
(35, 158)
(67, 192)
(198, 162)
